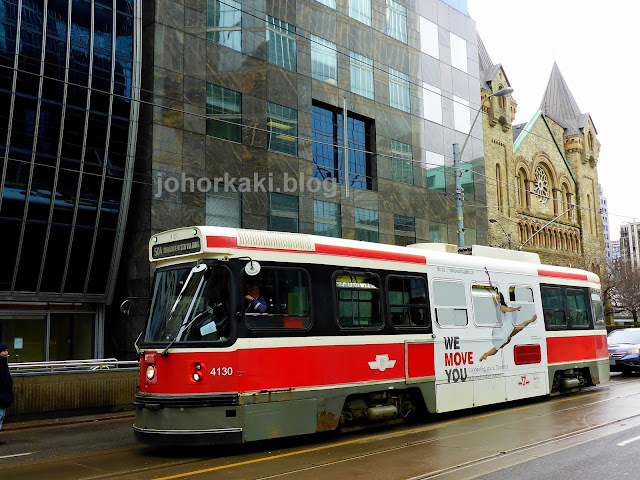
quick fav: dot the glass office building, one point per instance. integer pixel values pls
(69, 81)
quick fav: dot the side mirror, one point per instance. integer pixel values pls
(125, 307)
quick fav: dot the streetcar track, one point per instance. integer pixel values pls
(485, 459)
(425, 428)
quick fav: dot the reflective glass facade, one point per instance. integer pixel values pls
(67, 138)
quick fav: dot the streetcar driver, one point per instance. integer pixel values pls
(255, 303)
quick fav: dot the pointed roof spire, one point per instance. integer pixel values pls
(558, 103)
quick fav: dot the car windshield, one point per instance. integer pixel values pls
(624, 336)
(189, 304)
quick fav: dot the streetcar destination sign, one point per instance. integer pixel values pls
(179, 247)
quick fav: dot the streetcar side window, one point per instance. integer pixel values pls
(277, 298)
(358, 300)
(553, 307)
(597, 310)
(577, 307)
(484, 305)
(450, 303)
(522, 296)
(407, 298)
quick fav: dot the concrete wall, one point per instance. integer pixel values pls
(65, 392)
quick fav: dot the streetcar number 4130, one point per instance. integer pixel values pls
(222, 371)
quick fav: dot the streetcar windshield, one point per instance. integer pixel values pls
(189, 305)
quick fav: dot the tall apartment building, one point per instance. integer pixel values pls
(69, 81)
(604, 211)
(258, 97)
(629, 247)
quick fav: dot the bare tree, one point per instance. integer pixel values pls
(624, 294)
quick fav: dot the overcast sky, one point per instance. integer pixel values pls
(597, 46)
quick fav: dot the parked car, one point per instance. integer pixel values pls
(624, 350)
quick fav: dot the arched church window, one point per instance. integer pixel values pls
(541, 185)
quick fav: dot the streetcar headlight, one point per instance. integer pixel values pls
(196, 377)
(151, 372)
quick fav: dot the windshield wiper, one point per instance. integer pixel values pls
(195, 270)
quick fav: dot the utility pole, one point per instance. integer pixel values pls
(459, 194)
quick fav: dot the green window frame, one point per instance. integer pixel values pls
(281, 43)
(326, 219)
(224, 113)
(283, 129)
(366, 224)
(402, 162)
(224, 23)
(283, 213)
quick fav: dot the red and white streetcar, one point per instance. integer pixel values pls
(254, 335)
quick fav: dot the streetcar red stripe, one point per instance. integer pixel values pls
(323, 249)
(571, 276)
(287, 368)
(373, 254)
(574, 348)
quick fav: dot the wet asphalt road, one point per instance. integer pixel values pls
(567, 437)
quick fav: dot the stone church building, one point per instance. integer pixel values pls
(540, 172)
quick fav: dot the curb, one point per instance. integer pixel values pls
(55, 422)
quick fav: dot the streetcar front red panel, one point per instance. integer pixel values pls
(277, 368)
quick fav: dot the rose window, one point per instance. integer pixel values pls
(541, 185)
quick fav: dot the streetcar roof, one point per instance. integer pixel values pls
(210, 241)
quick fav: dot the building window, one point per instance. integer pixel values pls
(434, 167)
(361, 75)
(499, 201)
(429, 43)
(396, 21)
(326, 219)
(432, 106)
(366, 225)
(360, 10)
(328, 150)
(224, 23)
(399, 90)
(402, 162)
(224, 113)
(223, 208)
(437, 232)
(461, 114)
(283, 129)
(324, 60)
(281, 43)
(283, 213)
(458, 52)
(404, 229)
(328, 3)
(466, 179)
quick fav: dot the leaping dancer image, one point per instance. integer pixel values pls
(506, 327)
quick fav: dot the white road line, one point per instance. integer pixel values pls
(626, 442)
(16, 455)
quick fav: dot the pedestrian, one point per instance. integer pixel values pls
(6, 383)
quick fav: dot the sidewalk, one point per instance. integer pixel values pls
(57, 420)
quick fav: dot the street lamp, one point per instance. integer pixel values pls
(457, 155)
(493, 220)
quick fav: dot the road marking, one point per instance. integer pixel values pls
(16, 455)
(627, 442)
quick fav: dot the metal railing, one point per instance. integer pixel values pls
(65, 366)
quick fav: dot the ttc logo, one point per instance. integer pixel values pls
(523, 381)
(381, 363)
